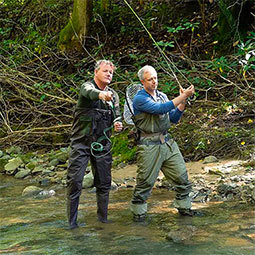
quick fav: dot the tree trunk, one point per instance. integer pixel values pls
(72, 36)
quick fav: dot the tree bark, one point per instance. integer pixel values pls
(72, 36)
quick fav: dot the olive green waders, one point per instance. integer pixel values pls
(155, 155)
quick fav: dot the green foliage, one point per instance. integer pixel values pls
(166, 44)
(30, 51)
(246, 53)
(184, 25)
(11, 3)
(169, 88)
(121, 148)
(221, 65)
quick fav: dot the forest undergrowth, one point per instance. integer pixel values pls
(39, 84)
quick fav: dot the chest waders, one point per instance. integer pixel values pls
(90, 141)
(158, 151)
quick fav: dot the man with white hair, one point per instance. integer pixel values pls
(157, 150)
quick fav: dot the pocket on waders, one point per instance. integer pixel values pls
(86, 125)
(101, 121)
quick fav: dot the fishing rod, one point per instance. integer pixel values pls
(160, 50)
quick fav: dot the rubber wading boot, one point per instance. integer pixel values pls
(102, 207)
(189, 212)
(72, 212)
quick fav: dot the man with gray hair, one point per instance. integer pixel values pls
(96, 112)
(157, 150)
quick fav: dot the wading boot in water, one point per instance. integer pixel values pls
(139, 218)
(189, 212)
(72, 212)
(102, 206)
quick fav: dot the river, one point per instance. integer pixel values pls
(38, 226)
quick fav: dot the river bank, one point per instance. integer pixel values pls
(213, 179)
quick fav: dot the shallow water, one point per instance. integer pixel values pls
(38, 226)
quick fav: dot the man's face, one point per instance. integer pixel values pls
(150, 80)
(104, 74)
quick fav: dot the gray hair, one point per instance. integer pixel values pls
(143, 70)
(104, 61)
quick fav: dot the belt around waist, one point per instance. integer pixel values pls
(144, 135)
(160, 139)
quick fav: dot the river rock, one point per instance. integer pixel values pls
(253, 194)
(215, 171)
(31, 191)
(12, 165)
(225, 189)
(46, 194)
(31, 165)
(3, 162)
(62, 156)
(22, 174)
(88, 180)
(38, 169)
(181, 235)
(14, 150)
(7, 157)
(47, 172)
(45, 181)
(210, 159)
(114, 186)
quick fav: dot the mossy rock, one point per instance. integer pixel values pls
(3, 162)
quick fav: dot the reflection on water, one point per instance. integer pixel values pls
(33, 226)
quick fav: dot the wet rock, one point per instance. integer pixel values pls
(45, 194)
(47, 172)
(3, 162)
(31, 191)
(235, 178)
(114, 186)
(62, 156)
(7, 157)
(200, 196)
(14, 150)
(38, 169)
(228, 191)
(31, 165)
(22, 174)
(64, 182)
(215, 171)
(45, 181)
(13, 165)
(122, 165)
(88, 180)
(93, 190)
(210, 159)
(181, 235)
(253, 194)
